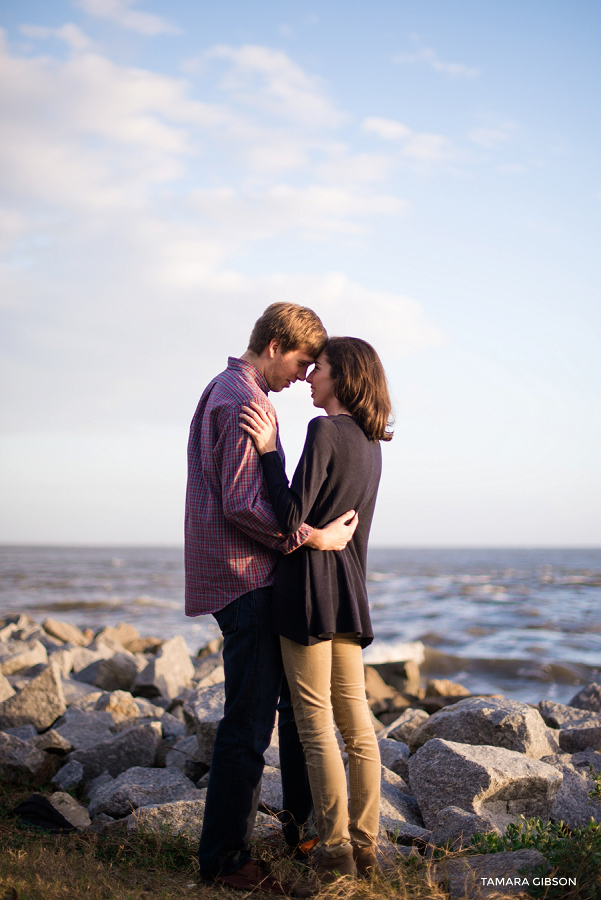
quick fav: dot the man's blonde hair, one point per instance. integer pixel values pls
(292, 325)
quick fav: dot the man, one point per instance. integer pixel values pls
(232, 545)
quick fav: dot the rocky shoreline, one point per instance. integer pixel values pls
(132, 720)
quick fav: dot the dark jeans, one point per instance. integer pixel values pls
(254, 683)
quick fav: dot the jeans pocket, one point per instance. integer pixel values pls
(227, 618)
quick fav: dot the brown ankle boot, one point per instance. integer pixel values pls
(331, 868)
(366, 861)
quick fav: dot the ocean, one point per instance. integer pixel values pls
(522, 622)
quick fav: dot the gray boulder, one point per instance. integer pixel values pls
(65, 632)
(6, 689)
(17, 656)
(76, 691)
(69, 776)
(169, 673)
(496, 722)
(40, 702)
(120, 704)
(391, 752)
(141, 787)
(19, 758)
(179, 817)
(85, 728)
(119, 672)
(408, 722)
(73, 811)
(203, 711)
(87, 660)
(173, 729)
(184, 755)
(579, 736)
(588, 698)
(63, 658)
(271, 790)
(573, 804)
(396, 805)
(494, 875)
(52, 742)
(134, 746)
(556, 715)
(25, 732)
(492, 782)
(455, 828)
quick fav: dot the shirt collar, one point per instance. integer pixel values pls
(249, 371)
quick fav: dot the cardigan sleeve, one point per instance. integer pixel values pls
(292, 504)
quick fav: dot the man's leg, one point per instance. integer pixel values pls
(253, 676)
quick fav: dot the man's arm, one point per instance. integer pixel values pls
(336, 535)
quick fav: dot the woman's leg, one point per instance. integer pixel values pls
(308, 670)
(354, 721)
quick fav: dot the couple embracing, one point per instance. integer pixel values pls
(282, 569)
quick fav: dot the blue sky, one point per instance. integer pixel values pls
(424, 175)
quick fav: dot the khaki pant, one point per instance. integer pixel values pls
(328, 678)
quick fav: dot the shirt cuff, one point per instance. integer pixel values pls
(296, 540)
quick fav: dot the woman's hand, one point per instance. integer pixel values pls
(261, 426)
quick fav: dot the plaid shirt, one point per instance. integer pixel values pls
(232, 537)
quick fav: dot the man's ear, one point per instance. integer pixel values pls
(272, 349)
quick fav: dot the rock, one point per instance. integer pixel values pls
(19, 758)
(40, 702)
(146, 708)
(179, 817)
(169, 673)
(69, 776)
(184, 755)
(52, 742)
(76, 691)
(103, 824)
(404, 676)
(119, 672)
(405, 724)
(556, 715)
(271, 790)
(173, 729)
(392, 751)
(141, 787)
(145, 645)
(134, 746)
(442, 687)
(73, 811)
(63, 658)
(64, 632)
(6, 689)
(203, 711)
(379, 694)
(577, 737)
(215, 676)
(123, 633)
(588, 698)
(487, 720)
(455, 828)
(85, 728)
(120, 704)
(492, 782)
(396, 806)
(478, 877)
(573, 804)
(25, 732)
(18, 655)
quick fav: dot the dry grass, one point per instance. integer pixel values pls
(38, 866)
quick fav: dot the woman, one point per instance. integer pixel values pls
(321, 609)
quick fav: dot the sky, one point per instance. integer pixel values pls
(424, 175)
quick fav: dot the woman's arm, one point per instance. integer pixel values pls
(290, 506)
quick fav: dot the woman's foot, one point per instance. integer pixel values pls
(366, 861)
(331, 868)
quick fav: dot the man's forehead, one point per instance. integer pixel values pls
(304, 356)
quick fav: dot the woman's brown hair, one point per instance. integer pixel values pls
(361, 385)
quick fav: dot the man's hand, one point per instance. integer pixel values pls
(336, 535)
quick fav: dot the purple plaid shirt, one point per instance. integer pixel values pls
(232, 537)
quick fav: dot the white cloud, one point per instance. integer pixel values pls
(69, 33)
(119, 12)
(430, 57)
(269, 80)
(423, 147)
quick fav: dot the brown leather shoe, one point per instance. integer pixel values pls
(253, 877)
(331, 868)
(366, 861)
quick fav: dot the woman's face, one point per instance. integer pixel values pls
(322, 383)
